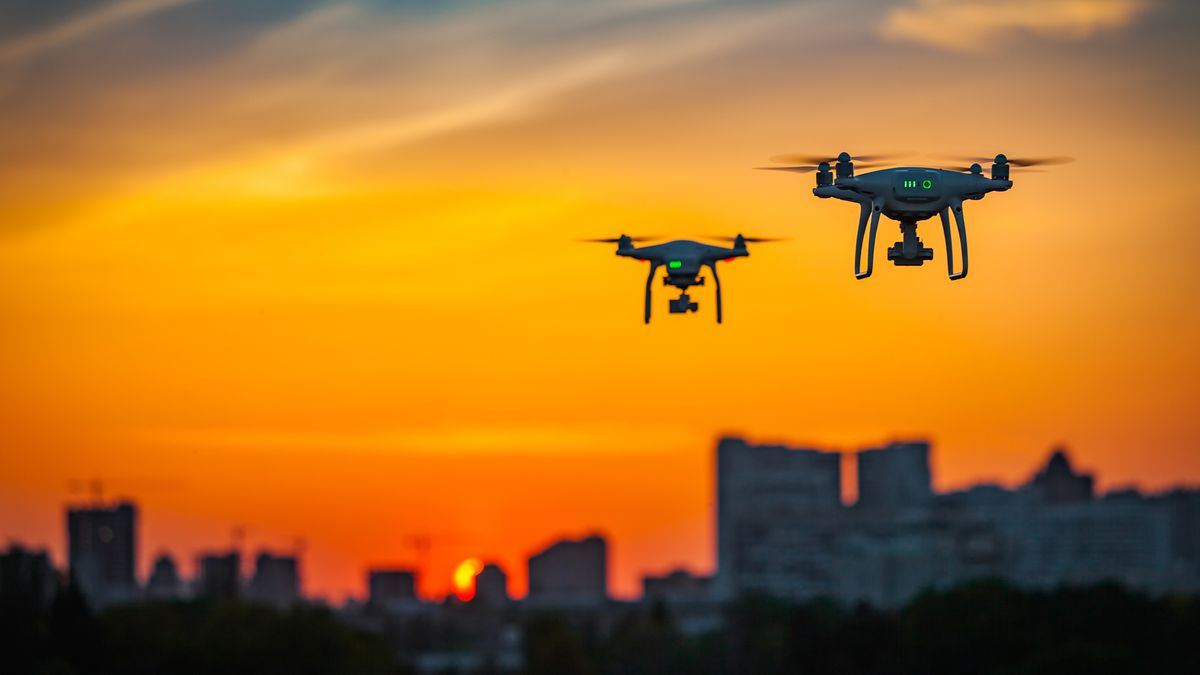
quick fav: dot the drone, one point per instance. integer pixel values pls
(908, 194)
(683, 259)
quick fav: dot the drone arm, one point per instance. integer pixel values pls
(870, 210)
(717, 281)
(956, 206)
(649, 282)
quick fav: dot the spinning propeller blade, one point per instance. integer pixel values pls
(1014, 161)
(750, 240)
(794, 169)
(800, 158)
(615, 240)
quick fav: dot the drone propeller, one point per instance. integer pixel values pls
(810, 169)
(616, 240)
(800, 158)
(1015, 169)
(750, 240)
(1022, 162)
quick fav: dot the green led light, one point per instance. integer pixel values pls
(675, 264)
(926, 183)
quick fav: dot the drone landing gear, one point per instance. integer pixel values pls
(909, 252)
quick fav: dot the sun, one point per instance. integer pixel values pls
(464, 578)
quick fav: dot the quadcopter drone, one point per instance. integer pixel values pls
(909, 195)
(683, 259)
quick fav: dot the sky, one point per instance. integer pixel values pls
(308, 269)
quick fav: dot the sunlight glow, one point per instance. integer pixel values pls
(464, 578)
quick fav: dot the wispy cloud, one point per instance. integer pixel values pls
(83, 25)
(971, 25)
(346, 79)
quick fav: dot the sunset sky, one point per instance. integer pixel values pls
(308, 267)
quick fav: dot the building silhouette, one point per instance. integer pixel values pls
(389, 588)
(773, 503)
(102, 552)
(901, 538)
(491, 586)
(1058, 483)
(27, 579)
(895, 477)
(164, 582)
(570, 573)
(677, 586)
(220, 575)
(276, 580)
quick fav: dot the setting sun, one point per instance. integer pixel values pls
(464, 578)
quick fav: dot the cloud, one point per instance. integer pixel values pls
(970, 25)
(81, 26)
(347, 80)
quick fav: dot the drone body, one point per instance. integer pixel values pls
(909, 195)
(684, 260)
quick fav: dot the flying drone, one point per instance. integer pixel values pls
(684, 260)
(909, 195)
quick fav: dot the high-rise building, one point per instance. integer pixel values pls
(102, 552)
(570, 573)
(773, 513)
(276, 580)
(27, 579)
(164, 582)
(895, 477)
(390, 587)
(491, 586)
(220, 575)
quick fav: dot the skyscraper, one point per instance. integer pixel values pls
(894, 477)
(27, 579)
(491, 586)
(570, 573)
(389, 587)
(220, 575)
(773, 505)
(276, 580)
(102, 552)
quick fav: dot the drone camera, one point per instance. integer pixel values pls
(897, 255)
(910, 252)
(683, 304)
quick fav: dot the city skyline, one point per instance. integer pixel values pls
(844, 492)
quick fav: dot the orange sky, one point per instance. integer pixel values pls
(313, 273)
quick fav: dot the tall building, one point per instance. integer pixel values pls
(27, 579)
(164, 582)
(570, 573)
(102, 552)
(491, 586)
(773, 515)
(220, 575)
(390, 587)
(276, 580)
(894, 477)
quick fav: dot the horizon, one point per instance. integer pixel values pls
(186, 562)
